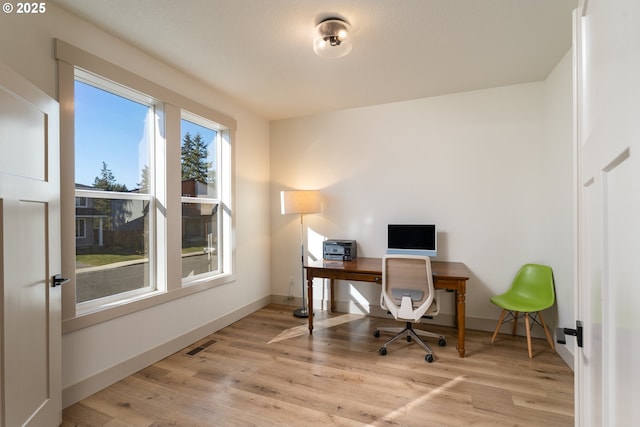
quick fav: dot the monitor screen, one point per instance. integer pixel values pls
(412, 237)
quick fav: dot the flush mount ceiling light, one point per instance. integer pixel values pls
(331, 39)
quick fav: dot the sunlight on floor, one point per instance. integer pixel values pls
(317, 324)
(404, 409)
(358, 299)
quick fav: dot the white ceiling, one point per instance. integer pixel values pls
(260, 51)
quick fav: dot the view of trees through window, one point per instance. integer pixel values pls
(114, 140)
(200, 246)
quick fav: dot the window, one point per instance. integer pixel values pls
(114, 140)
(152, 189)
(199, 166)
(81, 228)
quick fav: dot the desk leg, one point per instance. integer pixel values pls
(310, 302)
(460, 311)
(332, 299)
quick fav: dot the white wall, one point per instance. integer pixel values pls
(558, 153)
(477, 164)
(102, 353)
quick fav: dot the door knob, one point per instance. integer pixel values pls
(59, 280)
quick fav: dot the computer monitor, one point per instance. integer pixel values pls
(414, 239)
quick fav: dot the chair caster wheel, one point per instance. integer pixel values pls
(376, 333)
(442, 342)
(429, 358)
(408, 338)
(383, 351)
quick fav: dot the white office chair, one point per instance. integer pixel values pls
(408, 294)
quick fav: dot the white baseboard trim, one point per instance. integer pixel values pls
(82, 389)
(566, 356)
(294, 302)
(443, 319)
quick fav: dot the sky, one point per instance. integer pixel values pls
(112, 129)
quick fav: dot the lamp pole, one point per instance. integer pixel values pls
(300, 202)
(303, 311)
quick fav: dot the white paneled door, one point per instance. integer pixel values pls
(30, 334)
(607, 53)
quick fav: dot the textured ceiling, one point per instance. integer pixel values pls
(260, 51)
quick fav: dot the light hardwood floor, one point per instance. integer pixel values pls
(265, 370)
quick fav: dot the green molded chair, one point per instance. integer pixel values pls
(531, 292)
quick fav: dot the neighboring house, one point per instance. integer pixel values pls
(88, 234)
(198, 219)
(194, 188)
(109, 222)
(105, 222)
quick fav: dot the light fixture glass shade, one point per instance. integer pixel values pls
(299, 202)
(331, 39)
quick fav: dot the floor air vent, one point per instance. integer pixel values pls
(200, 348)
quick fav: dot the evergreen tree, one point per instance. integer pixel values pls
(115, 210)
(194, 155)
(106, 181)
(143, 185)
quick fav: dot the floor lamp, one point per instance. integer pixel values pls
(300, 202)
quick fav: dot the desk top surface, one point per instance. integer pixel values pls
(453, 270)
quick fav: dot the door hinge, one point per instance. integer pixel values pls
(561, 332)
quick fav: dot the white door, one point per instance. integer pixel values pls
(608, 148)
(30, 326)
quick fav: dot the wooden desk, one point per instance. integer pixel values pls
(452, 276)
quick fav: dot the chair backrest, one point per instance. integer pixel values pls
(407, 286)
(534, 283)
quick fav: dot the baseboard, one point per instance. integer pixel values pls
(82, 389)
(443, 319)
(294, 302)
(566, 356)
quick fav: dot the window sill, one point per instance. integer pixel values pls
(110, 311)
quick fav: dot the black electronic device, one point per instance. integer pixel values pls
(416, 239)
(339, 250)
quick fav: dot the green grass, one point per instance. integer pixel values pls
(104, 259)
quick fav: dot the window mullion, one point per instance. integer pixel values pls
(172, 191)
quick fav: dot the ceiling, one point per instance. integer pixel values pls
(260, 51)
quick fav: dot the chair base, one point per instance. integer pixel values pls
(410, 333)
(514, 317)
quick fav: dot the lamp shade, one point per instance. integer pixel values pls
(299, 201)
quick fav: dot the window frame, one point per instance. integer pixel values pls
(192, 199)
(169, 108)
(115, 89)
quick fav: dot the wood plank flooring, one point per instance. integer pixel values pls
(265, 370)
